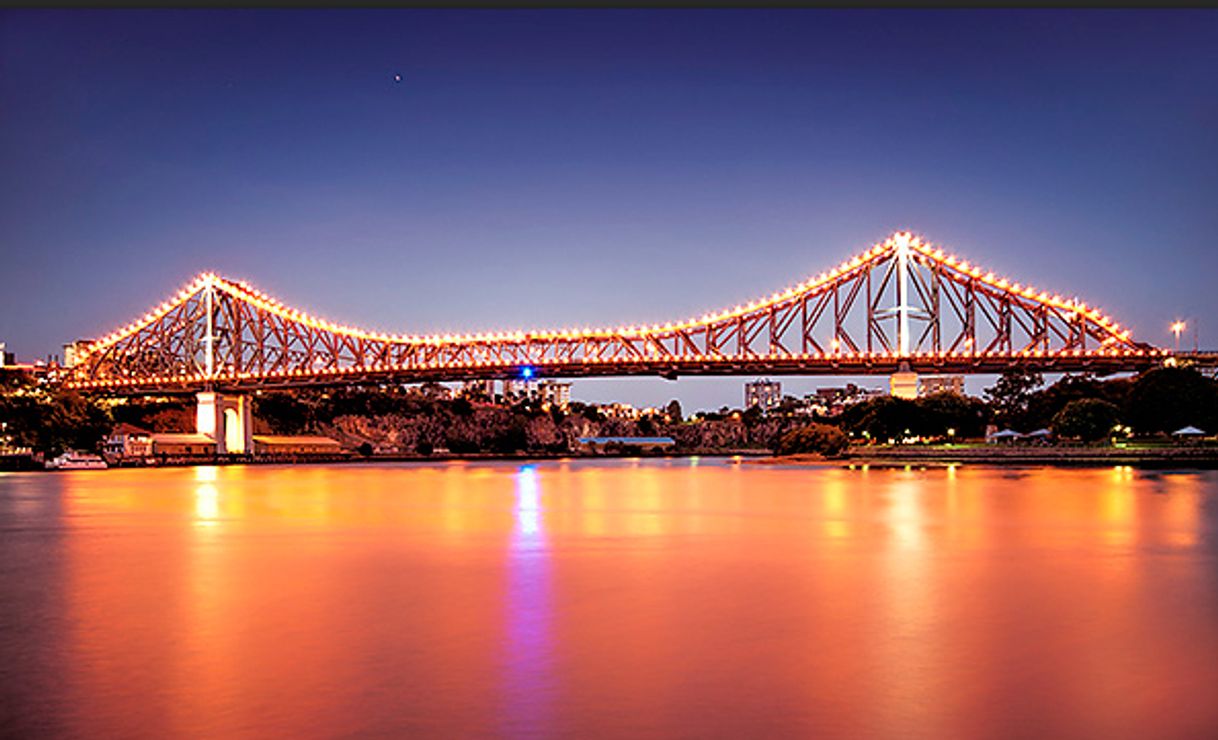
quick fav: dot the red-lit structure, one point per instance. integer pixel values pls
(903, 301)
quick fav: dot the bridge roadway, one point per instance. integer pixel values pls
(671, 369)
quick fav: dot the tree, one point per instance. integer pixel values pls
(53, 421)
(283, 412)
(753, 415)
(886, 417)
(1088, 419)
(814, 438)
(1168, 398)
(945, 410)
(1009, 396)
(1044, 404)
(673, 409)
(433, 391)
(511, 437)
(789, 405)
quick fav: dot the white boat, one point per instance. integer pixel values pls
(72, 460)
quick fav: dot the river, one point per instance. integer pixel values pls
(642, 598)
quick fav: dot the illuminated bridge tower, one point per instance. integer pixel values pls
(225, 418)
(904, 382)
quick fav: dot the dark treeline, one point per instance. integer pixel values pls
(423, 419)
(47, 419)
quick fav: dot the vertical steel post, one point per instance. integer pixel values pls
(210, 355)
(903, 294)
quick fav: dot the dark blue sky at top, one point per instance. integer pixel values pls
(559, 168)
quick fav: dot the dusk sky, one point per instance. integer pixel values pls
(543, 169)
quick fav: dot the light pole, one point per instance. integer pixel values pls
(1177, 327)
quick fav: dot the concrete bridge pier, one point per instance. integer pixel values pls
(226, 419)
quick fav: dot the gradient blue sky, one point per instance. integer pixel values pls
(551, 168)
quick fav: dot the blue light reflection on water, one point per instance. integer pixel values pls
(528, 506)
(528, 681)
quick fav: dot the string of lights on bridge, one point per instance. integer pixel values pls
(245, 292)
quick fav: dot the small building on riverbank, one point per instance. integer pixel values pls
(128, 441)
(277, 444)
(174, 444)
(631, 444)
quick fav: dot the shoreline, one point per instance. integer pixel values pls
(1196, 457)
(26, 464)
(1201, 458)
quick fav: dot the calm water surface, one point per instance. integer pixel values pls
(693, 598)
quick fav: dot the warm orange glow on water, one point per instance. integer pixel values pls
(623, 597)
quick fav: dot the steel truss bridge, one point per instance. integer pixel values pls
(903, 303)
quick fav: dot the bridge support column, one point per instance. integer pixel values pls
(226, 419)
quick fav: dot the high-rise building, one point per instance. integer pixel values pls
(554, 392)
(72, 351)
(6, 358)
(764, 393)
(518, 390)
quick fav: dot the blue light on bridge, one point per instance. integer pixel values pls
(526, 372)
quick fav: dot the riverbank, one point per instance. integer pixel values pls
(1203, 457)
(27, 464)
(940, 455)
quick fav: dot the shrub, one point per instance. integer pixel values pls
(1168, 398)
(1088, 419)
(816, 438)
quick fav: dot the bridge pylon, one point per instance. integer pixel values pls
(228, 420)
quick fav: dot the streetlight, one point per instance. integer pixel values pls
(1177, 327)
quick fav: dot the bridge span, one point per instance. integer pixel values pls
(901, 304)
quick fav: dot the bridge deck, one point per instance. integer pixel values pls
(670, 369)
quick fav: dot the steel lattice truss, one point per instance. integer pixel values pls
(901, 302)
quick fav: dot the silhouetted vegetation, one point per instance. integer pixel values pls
(1088, 419)
(50, 420)
(1169, 398)
(425, 420)
(821, 439)
(937, 415)
(1010, 398)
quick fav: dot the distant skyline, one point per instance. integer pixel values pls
(428, 171)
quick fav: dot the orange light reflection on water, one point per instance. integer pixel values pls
(661, 597)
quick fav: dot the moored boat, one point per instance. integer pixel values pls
(73, 460)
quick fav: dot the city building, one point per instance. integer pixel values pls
(764, 393)
(929, 384)
(831, 401)
(554, 393)
(129, 441)
(546, 392)
(6, 358)
(72, 351)
(619, 410)
(519, 389)
(478, 388)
